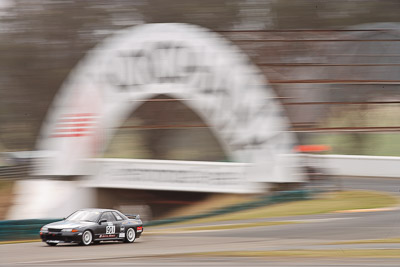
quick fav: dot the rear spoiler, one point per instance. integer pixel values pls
(133, 216)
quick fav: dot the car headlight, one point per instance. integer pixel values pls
(69, 230)
(44, 229)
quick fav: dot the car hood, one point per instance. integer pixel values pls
(68, 224)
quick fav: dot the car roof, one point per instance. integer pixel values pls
(97, 209)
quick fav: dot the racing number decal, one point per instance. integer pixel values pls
(110, 229)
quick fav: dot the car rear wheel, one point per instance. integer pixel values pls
(51, 244)
(87, 238)
(130, 235)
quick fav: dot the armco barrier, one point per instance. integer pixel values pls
(22, 229)
(29, 229)
(359, 166)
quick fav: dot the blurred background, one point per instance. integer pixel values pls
(333, 65)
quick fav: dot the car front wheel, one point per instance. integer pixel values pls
(130, 235)
(87, 238)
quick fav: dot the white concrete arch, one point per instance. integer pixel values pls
(183, 61)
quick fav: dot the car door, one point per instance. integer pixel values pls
(108, 229)
(119, 224)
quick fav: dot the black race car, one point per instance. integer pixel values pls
(89, 226)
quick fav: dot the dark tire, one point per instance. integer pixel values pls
(130, 235)
(51, 244)
(87, 238)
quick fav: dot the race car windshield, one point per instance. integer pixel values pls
(83, 215)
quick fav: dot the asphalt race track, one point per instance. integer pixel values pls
(310, 232)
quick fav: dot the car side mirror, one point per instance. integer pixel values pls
(102, 220)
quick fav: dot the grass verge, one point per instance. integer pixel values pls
(19, 241)
(367, 241)
(236, 226)
(211, 203)
(220, 227)
(352, 253)
(323, 203)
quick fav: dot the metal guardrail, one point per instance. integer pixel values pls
(22, 229)
(358, 166)
(29, 229)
